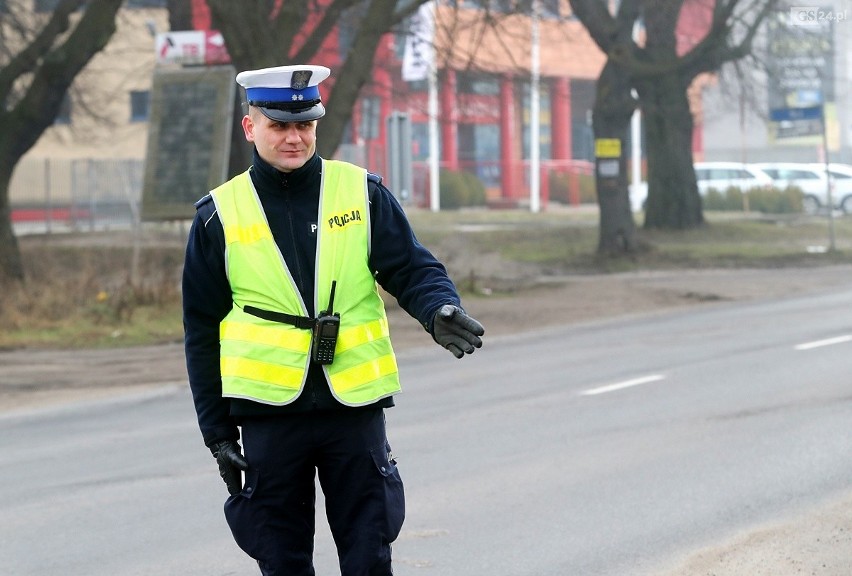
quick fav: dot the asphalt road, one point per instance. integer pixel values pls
(611, 448)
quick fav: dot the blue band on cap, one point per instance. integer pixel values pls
(282, 94)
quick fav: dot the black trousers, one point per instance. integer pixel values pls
(273, 518)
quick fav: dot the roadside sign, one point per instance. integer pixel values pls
(794, 114)
(796, 122)
(189, 139)
(607, 148)
(191, 47)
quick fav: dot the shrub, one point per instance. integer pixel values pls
(766, 200)
(775, 201)
(728, 200)
(460, 189)
(560, 187)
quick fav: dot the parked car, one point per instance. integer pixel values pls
(723, 175)
(841, 185)
(809, 178)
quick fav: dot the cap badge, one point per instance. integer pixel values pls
(300, 79)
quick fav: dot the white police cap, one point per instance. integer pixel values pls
(285, 93)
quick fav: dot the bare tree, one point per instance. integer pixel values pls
(267, 33)
(661, 72)
(40, 59)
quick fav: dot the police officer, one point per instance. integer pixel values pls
(287, 343)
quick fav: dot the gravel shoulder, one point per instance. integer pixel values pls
(818, 542)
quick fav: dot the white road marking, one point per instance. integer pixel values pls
(826, 342)
(622, 385)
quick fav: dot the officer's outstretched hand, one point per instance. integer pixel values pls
(456, 331)
(231, 462)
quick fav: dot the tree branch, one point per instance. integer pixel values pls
(26, 60)
(598, 21)
(331, 17)
(38, 108)
(355, 71)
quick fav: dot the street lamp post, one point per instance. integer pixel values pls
(535, 117)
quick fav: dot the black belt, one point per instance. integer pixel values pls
(302, 322)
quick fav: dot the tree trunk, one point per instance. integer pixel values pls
(611, 115)
(673, 202)
(11, 265)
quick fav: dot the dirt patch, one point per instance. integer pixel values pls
(816, 543)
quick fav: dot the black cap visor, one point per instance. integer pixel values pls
(287, 112)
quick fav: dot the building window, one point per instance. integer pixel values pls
(582, 136)
(147, 3)
(370, 113)
(51, 5)
(348, 137)
(473, 83)
(139, 105)
(420, 141)
(64, 115)
(550, 9)
(479, 151)
(544, 120)
(476, 4)
(347, 27)
(46, 5)
(418, 86)
(547, 8)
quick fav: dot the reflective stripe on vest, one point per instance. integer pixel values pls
(267, 361)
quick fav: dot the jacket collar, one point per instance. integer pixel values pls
(269, 178)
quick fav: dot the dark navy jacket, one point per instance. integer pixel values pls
(402, 266)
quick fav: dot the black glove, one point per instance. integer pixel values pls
(231, 462)
(456, 331)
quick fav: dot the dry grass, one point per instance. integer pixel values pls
(96, 290)
(99, 294)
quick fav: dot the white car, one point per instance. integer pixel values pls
(809, 178)
(723, 175)
(841, 184)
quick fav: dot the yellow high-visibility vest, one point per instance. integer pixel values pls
(267, 361)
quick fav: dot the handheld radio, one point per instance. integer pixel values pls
(326, 327)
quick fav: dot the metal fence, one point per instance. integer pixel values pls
(50, 195)
(60, 195)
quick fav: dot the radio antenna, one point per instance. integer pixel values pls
(331, 297)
